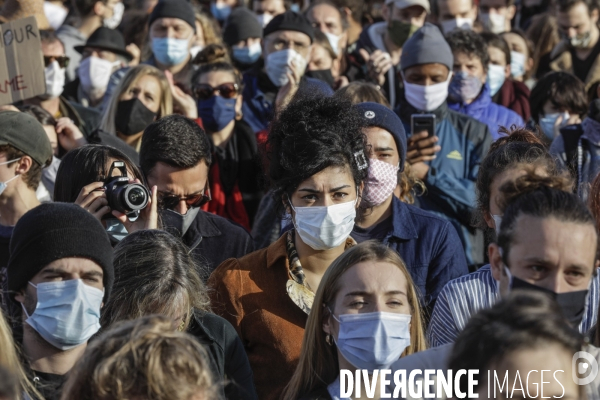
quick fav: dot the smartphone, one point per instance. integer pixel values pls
(423, 122)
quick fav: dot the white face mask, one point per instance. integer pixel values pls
(56, 15)
(323, 228)
(278, 64)
(456, 23)
(427, 98)
(55, 79)
(495, 23)
(517, 64)
(94, 74)
(264, 19)
(3, 184)
(334, 41)
(113, 21)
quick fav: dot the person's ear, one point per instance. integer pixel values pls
(507, 71)
(286, 204)
(24, 165)
(529, 64)
(20, 296)
(489, 221)
(594, 16)
(496, 263)
(510, 12)
(348, 13)
(238, 107)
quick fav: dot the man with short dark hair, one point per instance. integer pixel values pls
(24, 151)
(60, 273)
(579, 52)
(175, 156)
(469, 92)
(93, 14)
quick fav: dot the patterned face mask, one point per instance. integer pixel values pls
(381, 182)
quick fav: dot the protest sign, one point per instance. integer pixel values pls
(21, 61)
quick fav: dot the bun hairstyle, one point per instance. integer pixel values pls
(520, 149)
(215, 57)
(541, 197)
(311, 134)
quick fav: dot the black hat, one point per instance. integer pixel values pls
(375, 114)
(52, 231)
(181, 9)
(107, 39)
(241, 25)
(23, 132)
(290, 21)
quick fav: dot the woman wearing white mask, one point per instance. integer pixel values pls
(367, 317)
(317, 166)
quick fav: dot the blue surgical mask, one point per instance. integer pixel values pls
(464, 87)
(170, 51)
(216, 112)
(67, 313)
(548, 121)
(495, 78)
(517, 64)
(247, 55)
(220, 12)
(373, 340)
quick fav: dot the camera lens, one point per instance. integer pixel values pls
(136, 196)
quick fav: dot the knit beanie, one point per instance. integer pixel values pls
(375, 114)
(241, 25)
(426, 46)
(181, 9)
(290, 21)
(50, 232)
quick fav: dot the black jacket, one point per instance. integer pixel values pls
(213, 239)
(227, 355)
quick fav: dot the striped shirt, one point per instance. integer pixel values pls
(464, 296)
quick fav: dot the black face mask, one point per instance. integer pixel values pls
(322, 75)
(132, 117)
(178, 224)
(572, 303)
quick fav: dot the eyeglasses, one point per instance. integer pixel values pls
(63, 61)
(197, 200)
(205, 92)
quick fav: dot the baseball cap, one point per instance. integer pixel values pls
(23, 132)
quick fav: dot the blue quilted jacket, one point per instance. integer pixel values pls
(485, 110)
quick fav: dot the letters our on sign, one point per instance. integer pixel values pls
(19, 35)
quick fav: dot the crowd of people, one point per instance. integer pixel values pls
(241, 199)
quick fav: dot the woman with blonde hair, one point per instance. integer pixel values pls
(142, 96)
(13, 374)
(366, 293)
(142, 359)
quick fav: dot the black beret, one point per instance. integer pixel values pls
(290, 21)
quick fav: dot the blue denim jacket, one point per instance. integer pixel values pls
(429, 246)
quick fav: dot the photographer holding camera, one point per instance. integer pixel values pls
(105, 182)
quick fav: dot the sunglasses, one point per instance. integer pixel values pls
(197, 200)
(205, 92)
(63, 61)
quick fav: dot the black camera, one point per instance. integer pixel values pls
(127, 198)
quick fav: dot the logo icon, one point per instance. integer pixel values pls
(455, 155)
(583, 363)
(370, 114)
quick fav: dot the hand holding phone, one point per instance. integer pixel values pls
(422, 142)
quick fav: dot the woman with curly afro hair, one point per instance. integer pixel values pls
(317, 165)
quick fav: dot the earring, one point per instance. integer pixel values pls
(328, 339)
